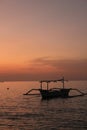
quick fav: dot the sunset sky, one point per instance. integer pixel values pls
(43, 39)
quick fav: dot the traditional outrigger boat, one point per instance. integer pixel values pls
(55, 92)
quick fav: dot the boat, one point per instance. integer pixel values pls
(49, 93)
(54, 92)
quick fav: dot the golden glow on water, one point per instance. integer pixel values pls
(30, 112)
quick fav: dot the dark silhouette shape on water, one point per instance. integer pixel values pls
(55, 92)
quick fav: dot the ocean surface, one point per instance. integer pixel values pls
(21, 112)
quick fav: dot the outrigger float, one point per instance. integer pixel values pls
(54, 92)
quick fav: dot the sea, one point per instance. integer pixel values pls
(30, 112)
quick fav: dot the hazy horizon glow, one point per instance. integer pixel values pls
(43, 39)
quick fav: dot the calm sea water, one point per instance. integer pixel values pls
(19, 112)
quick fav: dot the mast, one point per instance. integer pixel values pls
(41, 84)
(47, 86)
(63, 82)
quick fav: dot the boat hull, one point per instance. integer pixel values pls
(48, 94)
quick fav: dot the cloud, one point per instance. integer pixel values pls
(74, 69)
(47, 68)
(68, 64)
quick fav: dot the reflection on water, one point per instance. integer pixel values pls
(19, 112)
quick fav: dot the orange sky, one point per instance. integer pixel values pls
(43, 39)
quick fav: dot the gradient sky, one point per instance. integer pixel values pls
(43, 39)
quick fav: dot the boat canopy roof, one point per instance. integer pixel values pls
(48, 81)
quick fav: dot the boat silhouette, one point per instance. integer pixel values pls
(49, 93)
